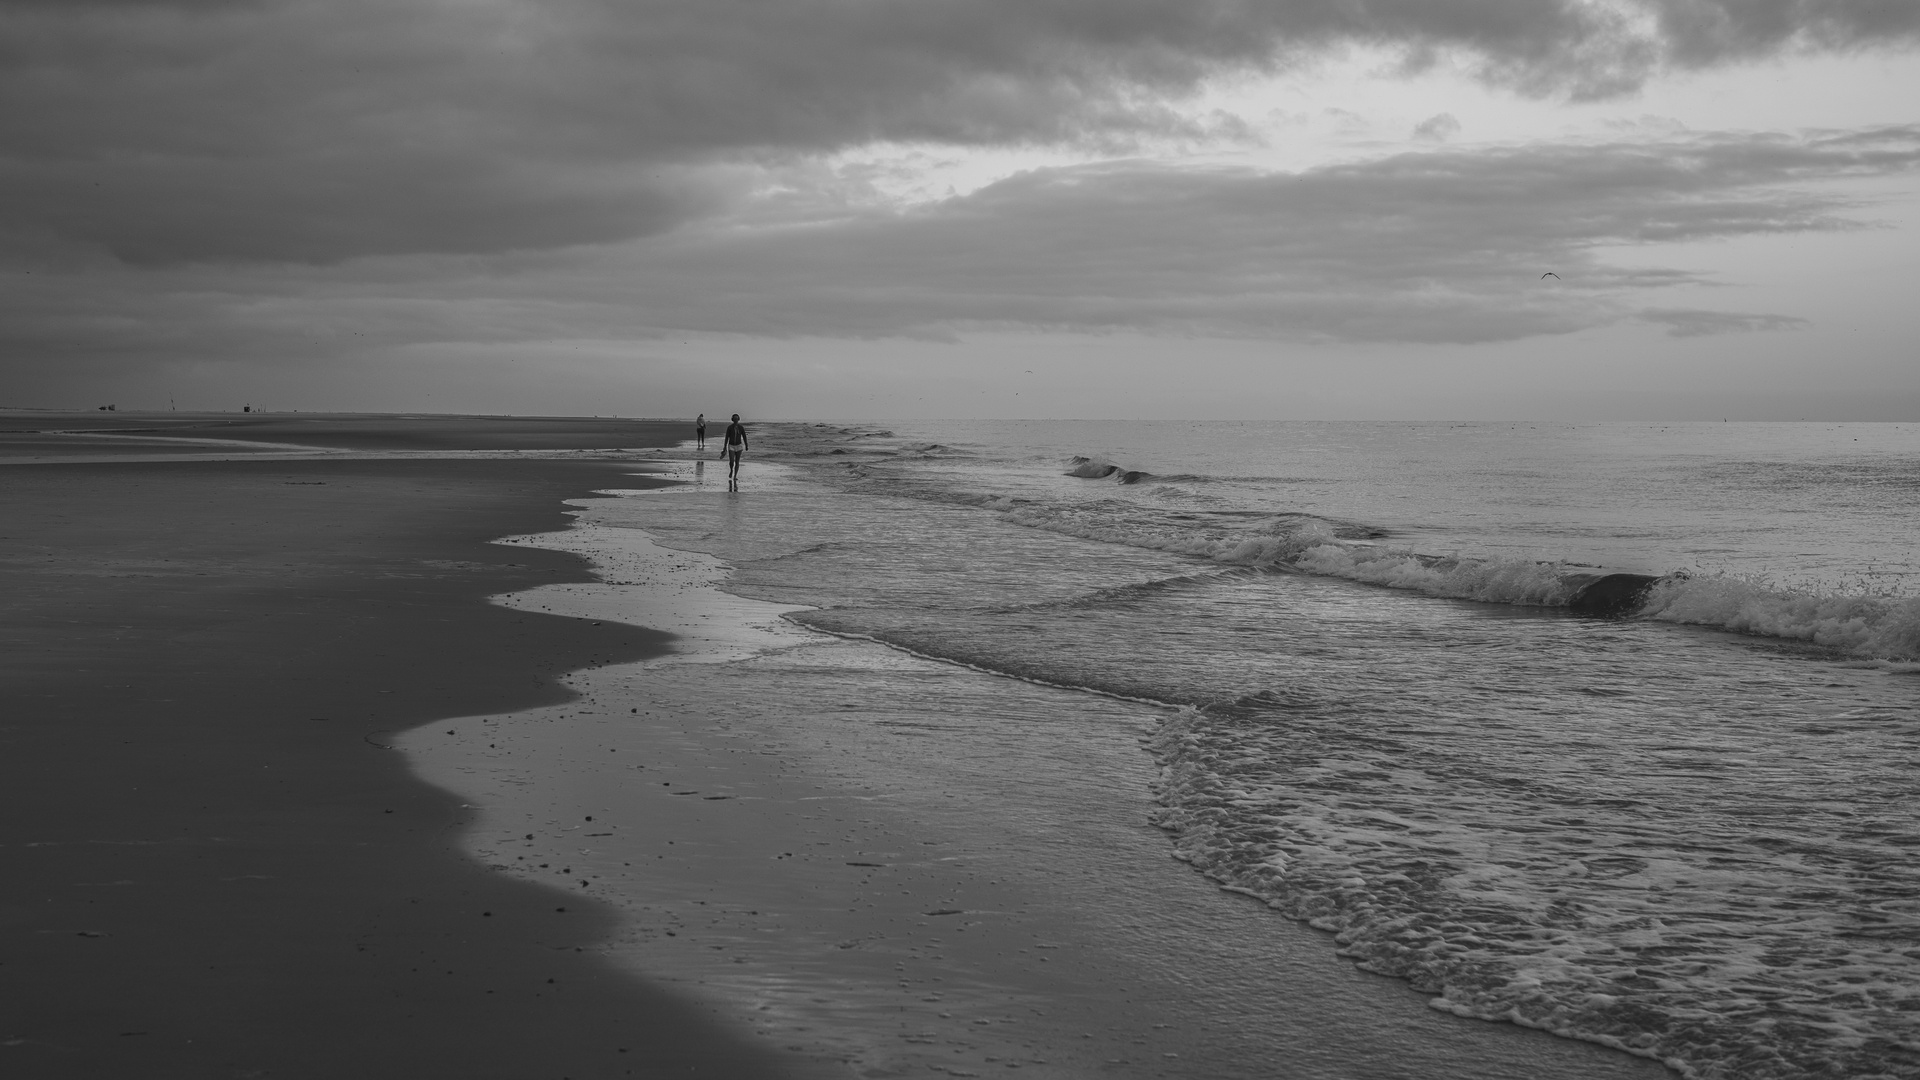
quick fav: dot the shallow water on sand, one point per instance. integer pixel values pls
(1679, 840)
(909, 867)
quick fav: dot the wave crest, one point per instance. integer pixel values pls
(1884, 628)
(1872, 626)
(1496, 580)
(1091, 468)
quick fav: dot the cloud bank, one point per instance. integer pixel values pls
(1443, 246)
(164, 132)
(215, 187)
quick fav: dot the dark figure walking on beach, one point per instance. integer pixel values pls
(736, 445)
(700, 432)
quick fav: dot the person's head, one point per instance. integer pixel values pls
(736, 418)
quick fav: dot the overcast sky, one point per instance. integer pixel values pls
(893, 208)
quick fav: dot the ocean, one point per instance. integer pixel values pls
(1375, 694)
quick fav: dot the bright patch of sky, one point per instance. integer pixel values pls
(1363, 105)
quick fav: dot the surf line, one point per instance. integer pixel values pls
(995, 672)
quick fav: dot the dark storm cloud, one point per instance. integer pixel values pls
(1445, 246)
(169, 131)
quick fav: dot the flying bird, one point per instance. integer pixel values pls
(1549, 274)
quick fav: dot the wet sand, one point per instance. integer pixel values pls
(911, 868)
(249, 697)
(215, 863)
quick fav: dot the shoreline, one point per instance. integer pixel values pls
(883, 893)
(222, 867)
(213, 866)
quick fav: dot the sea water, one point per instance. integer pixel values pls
(1686, 830)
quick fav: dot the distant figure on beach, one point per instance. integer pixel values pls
(736, 445)
(700, 432)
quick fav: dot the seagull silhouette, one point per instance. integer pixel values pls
(1549, 274)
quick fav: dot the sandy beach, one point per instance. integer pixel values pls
(216, 865)
(886, 886)
(288, 795)
(1226, 540)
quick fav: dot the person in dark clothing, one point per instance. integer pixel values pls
(732, 448)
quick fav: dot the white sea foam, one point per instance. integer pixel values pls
(1866, 626)
(1498, 580)
(1720, 944)
(1610, 829)
(1314, 546)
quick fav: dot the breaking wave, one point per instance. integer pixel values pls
(1162, 512)
(1867, 626)
(1091, 468)
(1874, 627)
